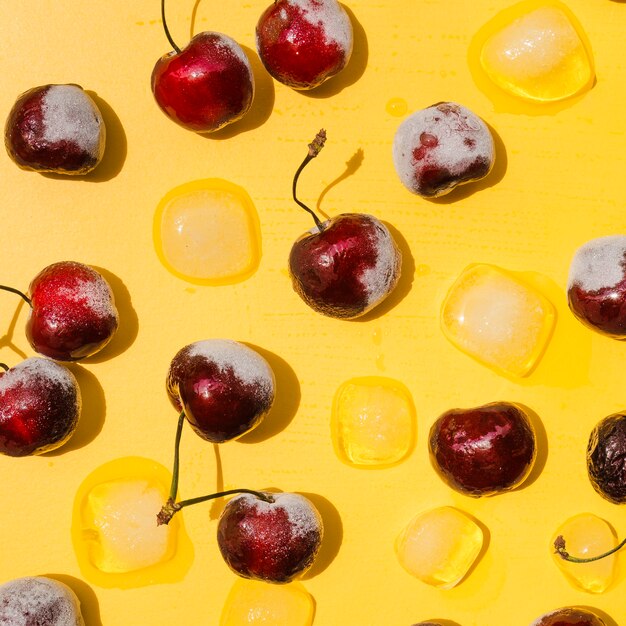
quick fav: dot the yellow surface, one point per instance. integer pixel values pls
(558, 182)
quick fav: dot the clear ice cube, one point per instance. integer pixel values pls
(373, 422)
(440, 546)
(207, 232)
(587, 535)
(259, 603)
(497, 319)
(538, 53)
(120, 526)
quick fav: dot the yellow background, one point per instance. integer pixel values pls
(559, 181)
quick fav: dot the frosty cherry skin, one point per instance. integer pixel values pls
(273, 541)
(485, 450)
(303, 43)
(39, 407)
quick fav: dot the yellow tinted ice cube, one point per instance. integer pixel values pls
(440, 546)
(207, 232)
(587, 535)
(497, 319)
(373, 421)
(259, 603)
(538, 52)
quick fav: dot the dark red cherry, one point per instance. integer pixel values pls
(270, 541)
(39, 407)
(485, 450)
(606, 458)
(302, 43)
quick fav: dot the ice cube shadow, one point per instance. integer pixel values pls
(129, 322)
(89, 606)
(287, 398)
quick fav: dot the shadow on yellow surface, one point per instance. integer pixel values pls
(6, 341)
(542, 446)
(352, 165)
(89, 606)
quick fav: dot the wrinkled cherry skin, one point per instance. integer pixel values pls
(63, 327)
(606, 458)
(296, 52)
(26, 145)
(483, 451)
(37, 414)
(264, 545)
(603, 310)
(206, 86)
(326, 266)
(569, 617)
(217, 404)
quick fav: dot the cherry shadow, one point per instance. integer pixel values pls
(353, 71)
(542, 447)
(129, 323)
(333, 534)
(286, 402)
(194, 15)
(352, 165)
(92, 414)
(405, 283)
(6, 341)
(493, 178)
(262, 105)
(89, 606)
(115, 148)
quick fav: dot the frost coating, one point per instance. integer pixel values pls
(331, 16)
(38, 370)
(599, 264)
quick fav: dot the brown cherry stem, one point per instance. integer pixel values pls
(171, 507)
(19, 293)
(5, 367)
(559, 548)
(314, 149)
(166, 29)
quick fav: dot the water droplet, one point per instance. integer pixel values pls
(377, 336)
(397, 107)
(380, 362)
(422, 270)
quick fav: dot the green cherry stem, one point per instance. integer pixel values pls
(171, 507)
(19, 293)
(559, 548)
(166, 29)
(314, 149)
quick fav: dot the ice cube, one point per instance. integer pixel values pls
(587, 535)
(497, 319)
(538, 54)
(440, 546)
(207, 232)
(259, 603)
(120, 526)
(373, 422)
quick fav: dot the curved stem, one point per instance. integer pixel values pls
(559, 548)
(166, 29)
(176, 466)
(19, 293)
(170, 508)
(314, 149)
(5, 367)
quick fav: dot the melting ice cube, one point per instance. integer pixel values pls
(373, 421)
(207, 232)
(497, 319)
(439, 546)
(587, 535)
(539, 54)
(259, 603)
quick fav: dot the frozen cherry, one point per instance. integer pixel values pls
(596, 288)
(606, 458)
(440, 147)
(206, 85)
(72, 311)
(39, 407)
(38, 601)
(483, 451)
(274, 541)
(302, 43)
(224, 388)
(55, 128)
(569, 616)
(347, 265)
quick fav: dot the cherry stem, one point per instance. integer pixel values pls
(166, 29)
(19, 293)
(5, 367)
(559, 548)
(176, 466)
(314, 149)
